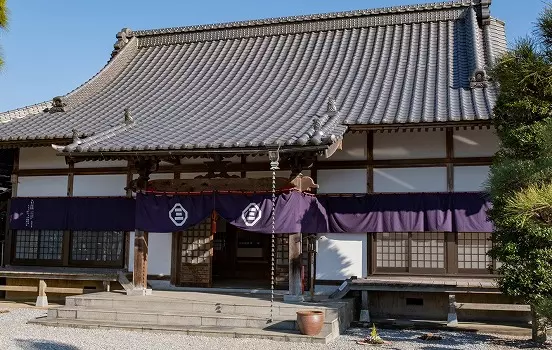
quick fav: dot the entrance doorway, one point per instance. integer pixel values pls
(214, 253)
(241, 259)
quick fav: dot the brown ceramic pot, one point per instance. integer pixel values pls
(310, 322)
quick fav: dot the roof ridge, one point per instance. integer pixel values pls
(312, 17)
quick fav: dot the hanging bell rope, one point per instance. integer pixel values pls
(274, 163)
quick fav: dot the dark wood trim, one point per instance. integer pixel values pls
(127, 234)
(370, 160)
(450, 156)
(451, 251)
(372, 261)
(422, 126)
(243, 168)
(314, 175)
(243, 160)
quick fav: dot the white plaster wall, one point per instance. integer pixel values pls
(409, 145)
(99, 185)
(341, 256)
(40, 158)
(101, 164)
(410, 180)
(42, 186)
(470, 178)
(159, 244)
(475, 143)
(353, 148)
(159, 253)
(342, 181)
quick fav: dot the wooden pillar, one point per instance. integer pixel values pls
(127, 234)
(295, 265)
(140, 272)
(66, 249)
(8, 244)
(370, 159)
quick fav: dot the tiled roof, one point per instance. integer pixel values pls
(261, 83)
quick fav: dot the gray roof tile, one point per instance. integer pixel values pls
(260, 83)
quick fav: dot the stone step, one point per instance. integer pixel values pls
(181, 318)
(206, 331)
(255, 308)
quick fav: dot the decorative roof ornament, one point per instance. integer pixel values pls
(332, 105)
(484, 12)
(128, 116)
(479, 79)
(122, 39)
(58, 105)
(76, 139)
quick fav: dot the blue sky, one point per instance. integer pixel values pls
(54, 46)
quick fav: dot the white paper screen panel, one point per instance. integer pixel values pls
(342, 181)
(353, 148)
(42, 186)
(40, 158)
(99, 185)
(470, 178)
(409, 145)
(475, 143)
(410, 180)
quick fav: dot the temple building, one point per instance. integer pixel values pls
(369, 131)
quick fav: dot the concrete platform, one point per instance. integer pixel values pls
(197, 313)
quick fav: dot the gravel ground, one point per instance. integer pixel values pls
(16, 334)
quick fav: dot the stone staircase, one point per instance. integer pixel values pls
(201, 314)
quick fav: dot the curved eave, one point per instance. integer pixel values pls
(203, 153)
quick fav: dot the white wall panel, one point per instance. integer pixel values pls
(42, 186)
(409, 145)
(99, 185)
(40, 158)
(101, 164)
(342, 181)
(159, 254)
(131, 252)
(470, 178)
(475, 143)
(341, 256)
(353, 148)
(410, 180)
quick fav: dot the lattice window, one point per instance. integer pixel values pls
(428, 250)
(472, 251)
(392, 250)
(103, 246)
(38, 245)
(196, 243)
(282, 249)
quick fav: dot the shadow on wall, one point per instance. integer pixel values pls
(339, 259)
(43, 345)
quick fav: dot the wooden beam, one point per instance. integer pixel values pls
(451, 244)
(32, 289)
(421, 126)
